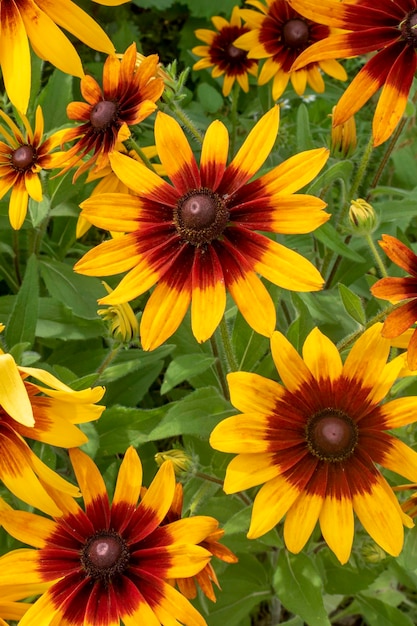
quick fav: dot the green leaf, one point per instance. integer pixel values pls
(300, 588)
(304, 139)
(185, 367)
(39, 210)
(353, 304)
(195, 414)
(153, 4)
(378, 613)
(78, 293)
(209, 97)
(328, 235)
(21, 325)
(54, 100)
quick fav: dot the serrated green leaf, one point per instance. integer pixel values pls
(21, 325)
(183, 368)
(352, 303)
(300, 588)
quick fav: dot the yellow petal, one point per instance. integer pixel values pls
(13, 395)
(15, 53)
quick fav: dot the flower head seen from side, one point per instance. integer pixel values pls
(207, 576)
(279, 34)
(316, 441)
(128, 96)
(387, 28)
(123, 323)
(40, 23)
(222, 55)
(397, 289)
(23, 155)
(42, 413)
(197, 236)
(110, 562)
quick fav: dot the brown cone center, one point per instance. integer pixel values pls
(236, 54)
(409, 28)
(104, 555)
(23, 158)
(103, 114)
(200, 216)
(295, 33)
(331, 435)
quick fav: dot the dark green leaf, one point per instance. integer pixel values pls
(353, 304)
(21, 325)
(300, 588)
(185, 367)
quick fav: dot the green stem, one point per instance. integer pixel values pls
(231, 360)
(136, 147)
(350, 339)
(107, 360)
(357, 181)
(218, 481)
(218, 367)
(388, 152)
(186, 122)
(233, 115)
(376, 254)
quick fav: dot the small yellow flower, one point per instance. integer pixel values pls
(123, 323)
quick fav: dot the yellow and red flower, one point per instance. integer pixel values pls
(397, 289)
(222, 55)
(128, 96)
(387, 28)
(196, 237)
(279, 34)
(23, 155)
(207, 576)
(39, 22)
(108, 562)
(47, 414)
(317, 442)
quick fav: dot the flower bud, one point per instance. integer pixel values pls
(362, 217)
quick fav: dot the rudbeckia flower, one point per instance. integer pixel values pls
(387, 28)
(317, 441)
(38, 21)
(47, 414)
(279, 34)
(128, 96)
(397, 289)
(222, 55)
(196, 237)
(108, 562)
(23, 155)
(207, 576)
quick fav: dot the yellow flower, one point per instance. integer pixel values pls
(108, 562)
(38, 21)
(23, 155)
(42, 413)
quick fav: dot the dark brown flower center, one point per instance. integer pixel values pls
(103, 114)
(200, 216)
(331, 435)
(295, 33)
(23, 158)
(236, 54)
(104, 555)
(409, 28)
